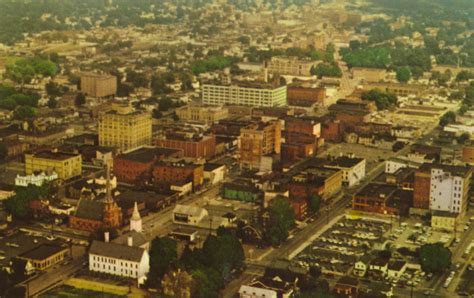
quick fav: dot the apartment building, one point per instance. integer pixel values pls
(290, 66)
(124, 128)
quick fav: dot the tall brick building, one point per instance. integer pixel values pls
(306, 95)
(421, 194)
(302, 137)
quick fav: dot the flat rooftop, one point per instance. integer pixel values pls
(148, 154)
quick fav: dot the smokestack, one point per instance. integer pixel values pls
(130, 241)
(106, 236)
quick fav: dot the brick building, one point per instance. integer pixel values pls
(193, 146)
(374, 198)
(421, 187)
(98, 85)
(256, 141)
(315, 181)
(302, 138)
(306, 96)
(167, 173)
(137, 165)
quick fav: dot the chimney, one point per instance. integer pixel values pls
(106, 236)
(130, 241)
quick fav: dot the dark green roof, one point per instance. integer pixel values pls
(90, 209)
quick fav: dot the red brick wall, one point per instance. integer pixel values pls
(332, 131)
(205, 148)
(301, 95)
(421, 193)
(130, 171)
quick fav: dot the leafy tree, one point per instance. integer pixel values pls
(434, 258)
(327, 70)
(282, 219)
(383, 100)
(369, 57)
(177, 283)
(448, 118)
(314, 203)
(403, 74)
(464, 75)
(163, 255)
(24, 112)
(18, 205)
(8, 104)
(208, 282)
(245, 40)
(212, 63)
(80, 99)
(53, 89)
(223, 253)
(165, 104)
(137, 79)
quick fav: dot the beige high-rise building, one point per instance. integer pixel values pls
(124, 128)
(259, 140)
(290, 66)
(98, 85)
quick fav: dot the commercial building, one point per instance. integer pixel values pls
(290, 66)
(120, 260)
(45, 256)
(167, 173)
(124, 128)
(421, 187)
(66, 165)
(193, 145)
(98, 85)
(188, 215)
(302, 95)
(468, 154)
(396, 88)
(136, 166)
(242, 192)
(202, 113)
(374, 198)
(444, 221)
(302, 138)
(318, 181)
(449, 188)
(214, 173)
(245, 93)
(256, 141)
(353, 168)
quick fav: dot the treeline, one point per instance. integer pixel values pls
(258, 56)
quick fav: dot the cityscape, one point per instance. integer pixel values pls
(236, 148)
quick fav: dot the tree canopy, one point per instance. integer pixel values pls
(18, 205)
(434, 258)
(383, 100)
(163, 255)
(282, 219)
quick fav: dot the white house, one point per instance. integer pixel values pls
(353, 168)
(35, 179)
(361, 266)
(394, 164)
(188, 215)
(449, 188)
(120, 260)
(214, 173)
(255, 292)
(183, 188)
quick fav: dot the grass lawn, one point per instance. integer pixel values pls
(71, 292)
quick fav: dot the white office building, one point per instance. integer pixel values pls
(247, 94)
(449, 188)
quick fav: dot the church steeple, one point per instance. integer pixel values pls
(136, 220)
(112, 214)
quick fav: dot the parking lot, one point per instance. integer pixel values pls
(337, 249)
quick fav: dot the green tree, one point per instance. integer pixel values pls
(24, 112)
(448, 118)
(53, 89)
(208, 282)
(163, 255)
(165, 104)
(18, 205)
(223, 253)
(314, 203)
(434, 258)
(282, 219)
(383, 100)
(8, 104)
(327, 70)
(403, 74)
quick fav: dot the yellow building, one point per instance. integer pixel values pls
(202, 113)
(124, 128)
(290, 66)
(67, 165)
(444, 221)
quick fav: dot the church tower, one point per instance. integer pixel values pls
(136, 220)
(112, 216)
